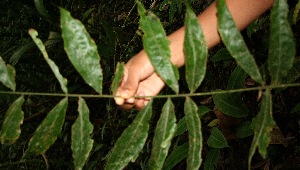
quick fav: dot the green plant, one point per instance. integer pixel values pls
(83, 54)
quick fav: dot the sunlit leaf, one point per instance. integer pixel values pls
(82, 143)
(81, 50)
(7, 75)
(131, 141)
(281, 46)
(195, 50)
(164, 132)
(212, 158)
(195, 135)
(244, 130)
(217, 139)
(230, 105)
(157, 47)
(47, 132)
(11, 129)
(62, 81)
(181, 126)
(176, 156)
(234, 42)
(118, 77)
(262, 125)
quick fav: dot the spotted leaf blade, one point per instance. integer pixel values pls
(195, 135)
(164, 133)
(11, 129)
(262, 125)
(7, 75)
(195, 50)
(282, 46)
(47, 132)
(82, 143)
(234, 42)
(118, 77)
(131, 142)
(157, 48)
(62, 81)
(81, 50)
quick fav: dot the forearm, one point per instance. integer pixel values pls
(243, 12)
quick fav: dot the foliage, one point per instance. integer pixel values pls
(151, 138)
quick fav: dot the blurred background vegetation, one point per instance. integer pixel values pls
(114, 25)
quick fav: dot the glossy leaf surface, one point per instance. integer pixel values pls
(47, 132)
(156, 45)
(81, 50)
(262, 125)
(281, 46)
(217, 139)
(11, 129)
(212, 158)
(131, 141)
(164, 133)
(195, 50)
(7, 75)
(195, 135)
(82, 143)
(62, 81)
(234, 42)
(176, 156)
(117, 77)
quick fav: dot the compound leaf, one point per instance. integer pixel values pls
(82, 143)
(131, 141)
(234, 42)
(157, 47)
(195, 50)
(164, 133)
(81, 50)
(47, 132)
(13, 119)
(282, 46)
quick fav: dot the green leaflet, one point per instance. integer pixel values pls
(157, 47)
(236, 79)
(181, 126)
(244, 130)
(195, 50)
(164, 133)
(212, 158)
(82, 143)
(7, 75)
(262, 125)
(13, 119)
(39, 5)
(234, 42)
(281, 46)
(118, 77)
(62, 81)
(195, 135)
(217, 139)
(296, 11)
(131, 141)
(221, 55)
(176, 156)
(14, 59)
(47, 132)
(81, 50)
(230, 105)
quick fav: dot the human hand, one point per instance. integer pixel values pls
(139, 80)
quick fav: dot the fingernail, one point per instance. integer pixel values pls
(130, 100)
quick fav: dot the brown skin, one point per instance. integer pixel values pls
(140, 78)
